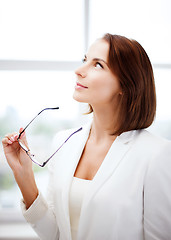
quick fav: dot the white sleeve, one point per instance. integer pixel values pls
(41, 218)
(157, 196)
(40, 215)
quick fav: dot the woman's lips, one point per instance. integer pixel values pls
(79, 85)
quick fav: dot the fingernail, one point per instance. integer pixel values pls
(12, 139)
(15, 136)
(9, 141)
(21, 129)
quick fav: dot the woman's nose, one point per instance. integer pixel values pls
(81, 71)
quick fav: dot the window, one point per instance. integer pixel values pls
(162, 124)
(146, 21)
(41, 30)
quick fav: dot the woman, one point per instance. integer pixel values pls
(112, 179)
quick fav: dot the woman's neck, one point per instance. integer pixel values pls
(103, 127)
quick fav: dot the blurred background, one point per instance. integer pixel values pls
(42, 42)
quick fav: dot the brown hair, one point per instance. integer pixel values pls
(131, 65)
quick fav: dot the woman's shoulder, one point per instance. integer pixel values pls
(150, 143)
(152, 138)
(64, 135)
(144, 137)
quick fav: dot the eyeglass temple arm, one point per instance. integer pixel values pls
(54, 108)
(60, 147)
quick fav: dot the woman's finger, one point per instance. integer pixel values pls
(6, 141)
(23, 134)
(10, 138)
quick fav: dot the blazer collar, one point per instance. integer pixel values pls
(128, 136)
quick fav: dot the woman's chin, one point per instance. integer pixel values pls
(78, 98)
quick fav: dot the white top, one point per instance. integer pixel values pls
(77, 191)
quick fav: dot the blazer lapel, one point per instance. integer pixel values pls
(116, 153)
(73, 151)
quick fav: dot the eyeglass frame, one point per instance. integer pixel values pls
(28, 150)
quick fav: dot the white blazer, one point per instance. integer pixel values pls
(129, 197)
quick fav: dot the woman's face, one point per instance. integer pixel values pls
(95, 83)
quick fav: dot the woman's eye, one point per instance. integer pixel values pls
(98, 65)
(83, 60)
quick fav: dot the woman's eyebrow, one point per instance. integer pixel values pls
(97, 59)
(100, 59)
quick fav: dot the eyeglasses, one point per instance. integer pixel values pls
(27, 150)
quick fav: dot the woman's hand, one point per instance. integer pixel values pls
(15, 155)
(21, 165)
